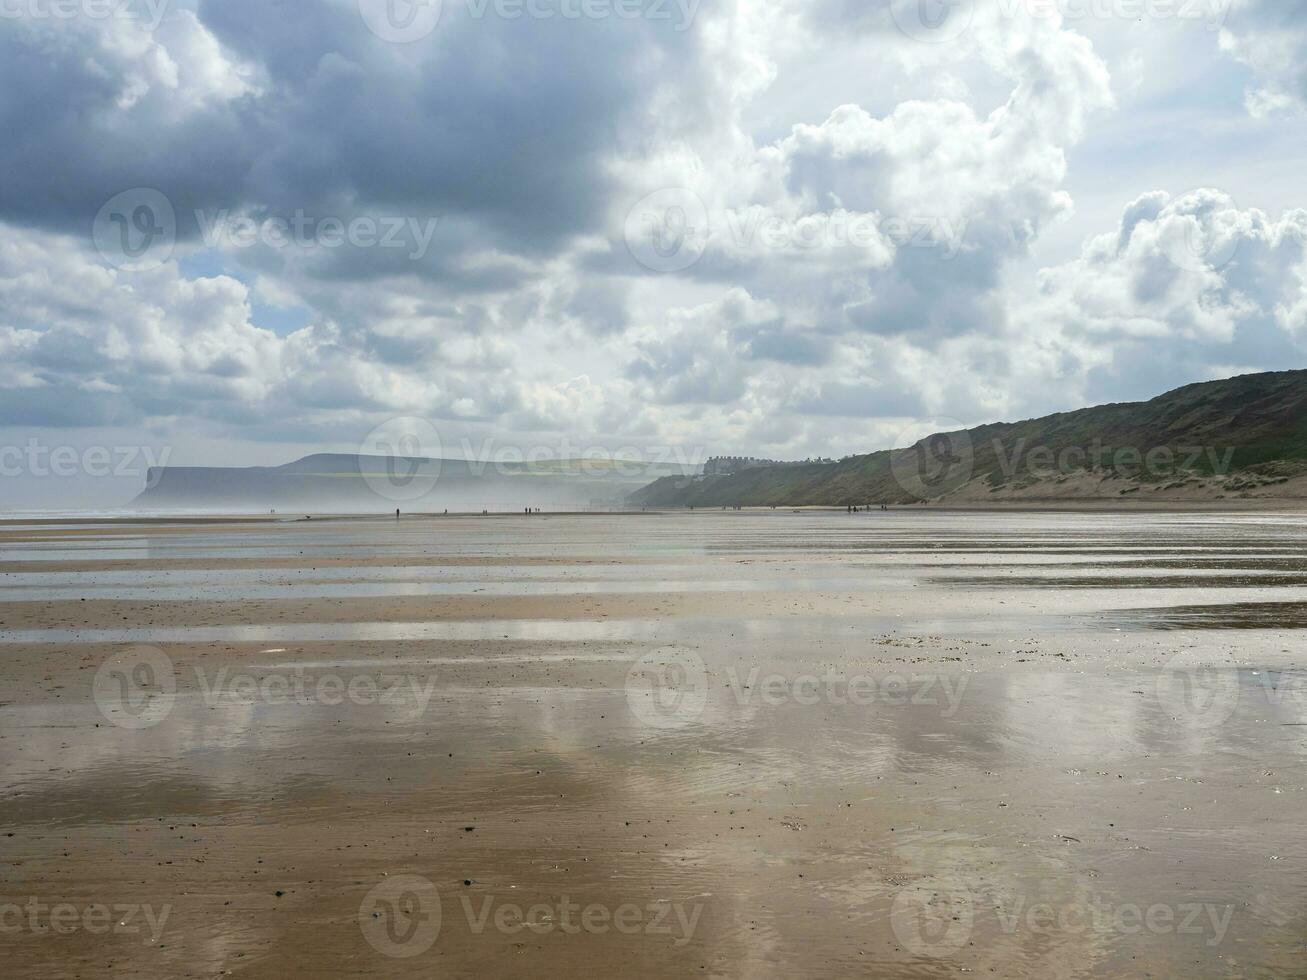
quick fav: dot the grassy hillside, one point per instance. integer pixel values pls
(1245, 436)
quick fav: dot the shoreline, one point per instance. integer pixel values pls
(1287, 505)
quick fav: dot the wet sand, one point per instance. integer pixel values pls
(717, 744)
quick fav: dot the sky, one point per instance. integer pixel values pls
(234, 232)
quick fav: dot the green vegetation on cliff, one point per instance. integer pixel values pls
(1245, 436)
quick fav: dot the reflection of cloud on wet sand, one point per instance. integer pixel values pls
(1054, 777)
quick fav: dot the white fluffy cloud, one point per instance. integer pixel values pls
(1185, 288)
(855, 243)
(1270, 37)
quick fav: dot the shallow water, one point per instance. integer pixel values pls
(939, 771)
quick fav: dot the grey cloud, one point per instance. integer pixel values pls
(1139, 313)
(862, 401)
(503, 123)
(788, 346)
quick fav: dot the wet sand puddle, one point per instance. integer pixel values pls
(848, 745)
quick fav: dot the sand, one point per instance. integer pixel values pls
(904, 744)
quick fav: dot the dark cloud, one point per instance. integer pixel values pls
(862, 401)
(504, 125)
(775, 343)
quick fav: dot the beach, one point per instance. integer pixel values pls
(903, 743)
